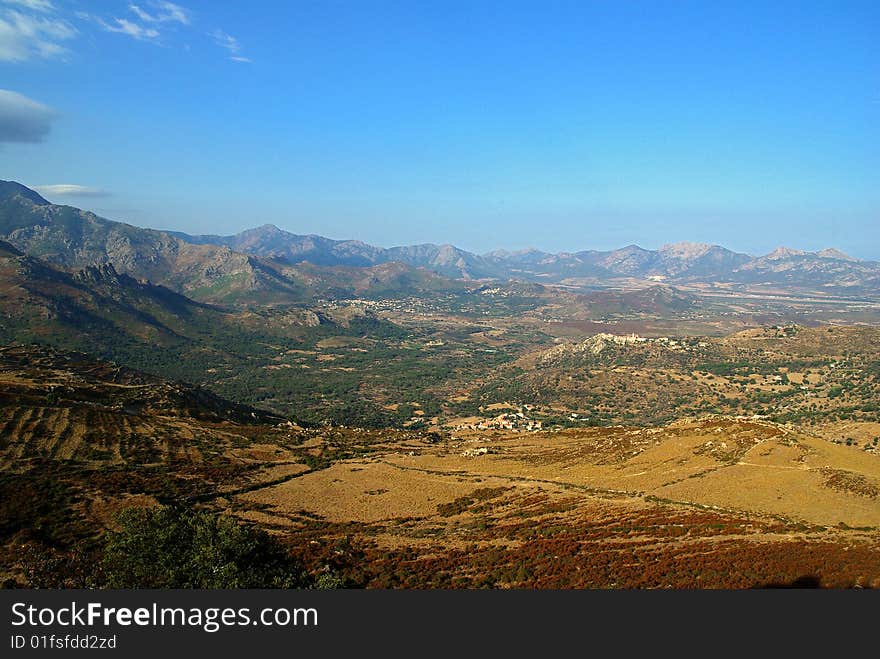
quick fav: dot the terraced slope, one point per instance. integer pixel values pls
(68, 407)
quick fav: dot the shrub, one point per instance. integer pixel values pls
(176, 547)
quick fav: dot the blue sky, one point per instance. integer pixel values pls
(558, 125)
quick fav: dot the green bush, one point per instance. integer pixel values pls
(176, 547)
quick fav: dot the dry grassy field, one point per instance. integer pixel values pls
(713, 490)
(493, 500)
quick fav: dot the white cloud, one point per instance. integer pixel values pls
(141, 14)
(32, 29)
(162, 12)
(156, 13)
(23, 119)
(69, 190)
(26, 36)
(125, 26)
(226, 41)
(230, 43)
(44, 6)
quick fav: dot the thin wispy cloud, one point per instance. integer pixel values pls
(43, 29)
(44, 6)
(70, 190)
(145, 20)
(130, 28)
(161, 12)
(23, 119)
(231, 44)
(25, 36)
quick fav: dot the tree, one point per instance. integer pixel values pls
(177, 547)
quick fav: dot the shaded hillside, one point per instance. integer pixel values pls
(73, 238)
(94, 307)
(325, 364)
(102, 311)
(76, 239)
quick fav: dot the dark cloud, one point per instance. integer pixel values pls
(22, 119)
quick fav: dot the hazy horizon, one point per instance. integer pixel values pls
(484, 125)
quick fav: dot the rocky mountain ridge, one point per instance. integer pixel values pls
(266, 263)
(682, 262)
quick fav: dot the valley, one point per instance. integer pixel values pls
(712, 502)
(425, 417)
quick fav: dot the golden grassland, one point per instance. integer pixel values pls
(706, 500)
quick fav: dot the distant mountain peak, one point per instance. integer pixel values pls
(506, 253)
(685, 249)
(632, 248)
(9, 189)
(833, 253)
(784, 253)
(262, 230)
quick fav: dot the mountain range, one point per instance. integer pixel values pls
(72, 239)
(683, 262)
(268, 264)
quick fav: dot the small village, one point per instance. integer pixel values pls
(515, 421)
